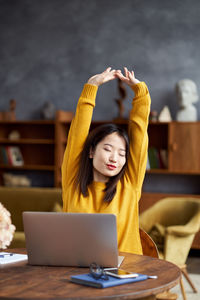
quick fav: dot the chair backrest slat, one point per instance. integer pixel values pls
(148, 246)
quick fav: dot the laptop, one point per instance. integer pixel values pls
(71, 239)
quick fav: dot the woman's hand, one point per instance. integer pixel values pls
(106, 76)
(129, 77)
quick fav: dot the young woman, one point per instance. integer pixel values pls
(103, 170)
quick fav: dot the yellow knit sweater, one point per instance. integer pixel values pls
(125, 202)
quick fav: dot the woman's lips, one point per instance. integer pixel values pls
(111, 167)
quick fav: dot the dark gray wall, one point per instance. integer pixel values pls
(49, 48)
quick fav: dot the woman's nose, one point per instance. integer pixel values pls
(113, 157)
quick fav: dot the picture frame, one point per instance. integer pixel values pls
(15, 156)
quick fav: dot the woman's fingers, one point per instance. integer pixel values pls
(107, 70)
(126, 71)
(120, 75)
(110, 74)
(128, 77)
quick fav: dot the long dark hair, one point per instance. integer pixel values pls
(85, 172)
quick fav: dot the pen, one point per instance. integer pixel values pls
(6, 254)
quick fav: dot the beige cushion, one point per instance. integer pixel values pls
(57, 208)
(18, 240)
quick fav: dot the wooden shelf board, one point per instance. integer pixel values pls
(185, 172)
(166, 171)
(29, 167)
(27, 141)
(163, 171)
(29, 122)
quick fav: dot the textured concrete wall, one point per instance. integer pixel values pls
(49, 48)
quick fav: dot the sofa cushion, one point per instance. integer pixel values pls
(57, 208)
(17, 200)
(18, 240)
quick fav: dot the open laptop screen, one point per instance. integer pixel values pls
(71, 239)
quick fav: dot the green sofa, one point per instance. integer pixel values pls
(17, 200)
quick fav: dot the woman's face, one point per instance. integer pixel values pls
(109, 157)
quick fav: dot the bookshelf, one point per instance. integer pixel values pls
(42, 144)
(36, 141)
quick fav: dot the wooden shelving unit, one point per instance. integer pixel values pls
(36, 142)
(43, 143)
(180, 140)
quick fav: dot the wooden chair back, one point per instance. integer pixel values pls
(148, 246)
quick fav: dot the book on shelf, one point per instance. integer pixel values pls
(8, 155)
(11, 155)
(148, 164)
(153, 158)
(164, 158)
(3, 156)
(15, 157)
(157, 158)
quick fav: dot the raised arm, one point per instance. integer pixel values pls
(137, 130)
(80, 125)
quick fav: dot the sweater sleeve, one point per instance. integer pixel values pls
(77, 134)
(137, 130)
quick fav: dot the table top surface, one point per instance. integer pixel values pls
(23, 281)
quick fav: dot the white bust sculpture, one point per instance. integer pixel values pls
(187, 94)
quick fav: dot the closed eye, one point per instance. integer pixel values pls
(106, 149)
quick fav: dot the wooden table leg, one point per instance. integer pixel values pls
(167, 295)
(152, 297)
(185, 273)
(182, 289)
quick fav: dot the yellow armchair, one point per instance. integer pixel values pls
(172, 223)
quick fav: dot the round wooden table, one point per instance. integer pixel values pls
(23, 281)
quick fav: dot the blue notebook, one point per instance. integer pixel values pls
(87, 279)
